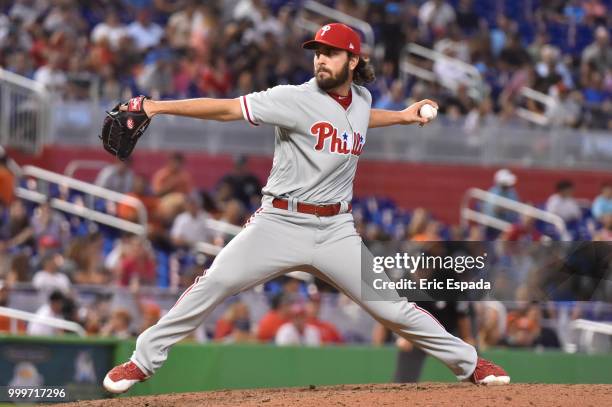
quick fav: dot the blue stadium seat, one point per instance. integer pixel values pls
(163, 268)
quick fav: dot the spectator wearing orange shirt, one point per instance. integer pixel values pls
(277, 316)
(7, 181)
(523, 326)
(232, 322)
(422, 228)
(172, 177)
(151, 312)
(118, 325)
(139, 191)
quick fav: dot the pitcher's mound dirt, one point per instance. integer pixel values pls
(370, 395)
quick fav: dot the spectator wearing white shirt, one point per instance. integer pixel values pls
(455, 41)
(27, 10)
(64, 17)
(448, 70)
(52, 309)
(50, 278)
(5, 26)
(51, 75)
(13, 38)
(436, 14)
(117, 177)
(247, 9)
(297, 331)
(145, 33)
(598, 55)
(562, 203)
(550, 66)
(191, 226)
(110, 29)
(113, 259)
(266, 24)
(181, 23)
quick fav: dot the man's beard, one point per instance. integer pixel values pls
(333, 81)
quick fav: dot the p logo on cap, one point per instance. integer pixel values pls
(336, 35)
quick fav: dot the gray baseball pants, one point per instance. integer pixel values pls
(277, 241)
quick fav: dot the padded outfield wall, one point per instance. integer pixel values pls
(81, 363)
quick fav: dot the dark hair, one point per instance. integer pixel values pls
(48, 257)
(178, 157)
(564, 184)
(275, 301)
(364, 72)
(56, 296)
(279, 299)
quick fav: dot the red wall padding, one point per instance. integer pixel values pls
(436, 187)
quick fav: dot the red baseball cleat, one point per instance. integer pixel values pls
(489, 373)
(120, 378)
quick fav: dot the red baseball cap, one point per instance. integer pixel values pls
(336, 35)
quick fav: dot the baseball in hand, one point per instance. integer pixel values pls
(427, 111)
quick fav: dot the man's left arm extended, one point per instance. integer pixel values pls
(410, 115)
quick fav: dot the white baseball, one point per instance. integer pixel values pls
(427, 111)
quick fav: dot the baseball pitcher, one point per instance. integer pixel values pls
(305, 219)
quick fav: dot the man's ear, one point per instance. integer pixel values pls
(353, 61)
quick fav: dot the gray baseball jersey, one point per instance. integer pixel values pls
(317, 147)
(317, 142)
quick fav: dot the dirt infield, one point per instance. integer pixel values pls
(422, 394)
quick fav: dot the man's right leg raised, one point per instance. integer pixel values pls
(268, 246)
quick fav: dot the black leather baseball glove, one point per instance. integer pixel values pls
(122, 128)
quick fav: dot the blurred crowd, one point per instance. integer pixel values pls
(111, 49)
(586, 219)
(59, 255)
(36, 236)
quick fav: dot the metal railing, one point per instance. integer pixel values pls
(11, 164)
(471, 78)
(232, 230)
(24, 112)
(223, 227)
(31, 317)
(207, 248)
(331, 13)
(467, 214)
(471, 215)
(220, 227)
(585, 335)
(76, 165)
(549, 103)
(91, 193)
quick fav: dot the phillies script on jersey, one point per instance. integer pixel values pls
(345, 143)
